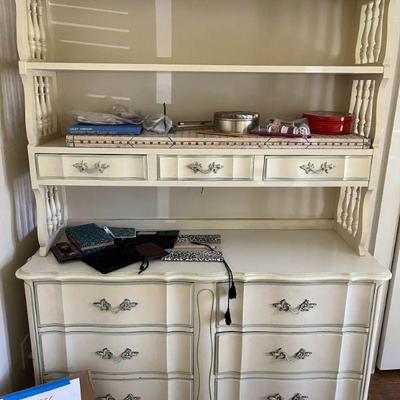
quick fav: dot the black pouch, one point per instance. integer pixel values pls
(110, 260)
(146, 252)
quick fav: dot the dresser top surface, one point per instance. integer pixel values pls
(302, 255)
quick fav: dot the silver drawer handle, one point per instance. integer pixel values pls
(126, 305)
(97, 167)
(279, 354)
(277, 396)
(106, 354)
(130, 396)
(198, 167)
(309, 168)
(284, 306)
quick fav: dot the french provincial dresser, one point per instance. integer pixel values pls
(293, 215)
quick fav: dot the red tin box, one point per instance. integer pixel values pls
(329, 122)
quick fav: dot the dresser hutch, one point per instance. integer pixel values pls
(294, 220)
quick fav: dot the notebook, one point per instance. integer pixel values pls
(88, 238)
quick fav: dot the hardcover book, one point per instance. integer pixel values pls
(122, 130)
(89, 237)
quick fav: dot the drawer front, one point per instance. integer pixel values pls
(297, 305)
(255, 353)
(119, 305)
(317, 168)
(149, 389)
(194, 168)
(271, 389)
(111, 353)
(65, 166)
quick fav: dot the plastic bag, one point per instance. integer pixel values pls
(122, 115)
(128, 114)
(95, 118)
(297, 127)
(158, 123)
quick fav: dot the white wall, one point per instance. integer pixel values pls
(17, 229)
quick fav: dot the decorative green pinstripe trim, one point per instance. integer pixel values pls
(321, 378)
(36, 330)
(143, 379)
(257, 374)
(116, 333)
(43, 326)
(290, 333)
(373, 316)
(344, 326)
(185, 375)
(211, 341)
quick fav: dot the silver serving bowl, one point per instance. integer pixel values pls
(236, 121)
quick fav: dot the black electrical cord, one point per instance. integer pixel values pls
(144, 265)
(231, 283)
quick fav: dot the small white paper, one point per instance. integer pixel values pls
(164, 87)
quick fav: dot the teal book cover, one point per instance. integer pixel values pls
(88, 237)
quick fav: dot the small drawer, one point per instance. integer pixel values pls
(271, 353)
(66, 166)
(273, 389)
(117, 353)
(298, 305)
(149, 389)
(103, 304)
(197, 168)
(317, 168)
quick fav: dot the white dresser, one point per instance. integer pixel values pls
(294, 218)
(298, 329)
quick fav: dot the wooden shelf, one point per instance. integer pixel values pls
(26, 66)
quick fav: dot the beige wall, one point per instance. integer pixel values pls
(17, 216)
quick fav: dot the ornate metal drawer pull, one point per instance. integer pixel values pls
(106, 354)
(277, 396)
(97, 167)
(126, 305)
(278, 354)
(130, 396)
(309, 168)
(198, 167)
(283, 305)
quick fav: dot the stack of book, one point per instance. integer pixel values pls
(99, 133)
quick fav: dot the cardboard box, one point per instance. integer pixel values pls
(77, 387)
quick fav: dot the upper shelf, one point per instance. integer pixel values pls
(271, 69)
(206, 36)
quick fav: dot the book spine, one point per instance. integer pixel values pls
(104, 130)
